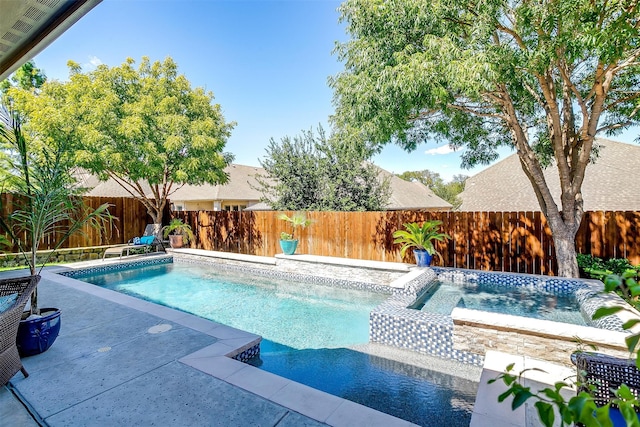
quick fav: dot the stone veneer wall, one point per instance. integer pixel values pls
(60, 256)
(478, 339)
(344, 272)
(307, 272)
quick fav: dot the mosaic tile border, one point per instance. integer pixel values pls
(274, 273)
(248, 354)
(167, 259)
(392, 323)
(548, 283)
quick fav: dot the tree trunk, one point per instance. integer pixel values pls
(566, 253)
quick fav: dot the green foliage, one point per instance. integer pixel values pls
(597, 268)
(138, 126)
(310, 172)
(420, 236)
(416, 69)
(298, 219)
(286, 236)
(49, 203)
(543, 77)
(178, 227)
(582, 408)
(446, 191)
(27, 77)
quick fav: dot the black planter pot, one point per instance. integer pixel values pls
(35, 336)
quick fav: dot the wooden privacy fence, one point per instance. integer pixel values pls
(500, 241)
(130, 219)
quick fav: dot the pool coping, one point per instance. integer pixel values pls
(216, 359)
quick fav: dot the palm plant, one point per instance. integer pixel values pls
(178, 227)
(48, 203)
(298, 219)
(420, 237)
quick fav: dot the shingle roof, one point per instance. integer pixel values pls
(611, 183)
(239, 187)
(412, 195)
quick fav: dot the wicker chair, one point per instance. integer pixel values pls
(606, 373)
(10, 362)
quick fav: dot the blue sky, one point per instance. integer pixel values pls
(266, 61)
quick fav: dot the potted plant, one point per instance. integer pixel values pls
(288, 242)
(47, 203)
(421, 238)
(178, 233)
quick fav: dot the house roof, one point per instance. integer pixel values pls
(239, 187)
(412, 195)
(28, 26)
(611, 183)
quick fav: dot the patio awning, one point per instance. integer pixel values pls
(28, 26)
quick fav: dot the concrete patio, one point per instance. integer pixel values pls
(123, 361)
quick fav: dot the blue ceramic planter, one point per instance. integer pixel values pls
(423, 258)
(35, 336)
(288, 246)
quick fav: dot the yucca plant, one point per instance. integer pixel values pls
(48, 202)
(420, 237)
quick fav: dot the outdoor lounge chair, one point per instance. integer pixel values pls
(150, 239)
(10, 362)
(606, 373)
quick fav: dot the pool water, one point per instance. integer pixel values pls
(423, 396)
(298, 315)
(305, 330)
(527, 301)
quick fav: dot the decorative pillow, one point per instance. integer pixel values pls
(146, 240)
(136, 240)
(7, 301)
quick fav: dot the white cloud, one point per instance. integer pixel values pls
(94, 61)
(445, 149)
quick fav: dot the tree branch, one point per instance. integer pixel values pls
(614, 126)
(475, 112)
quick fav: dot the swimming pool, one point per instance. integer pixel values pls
(527, 301)
(307, 330)
(298, 315)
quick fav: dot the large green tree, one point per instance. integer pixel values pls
(544, 77)
(313, 172)
(146, 127)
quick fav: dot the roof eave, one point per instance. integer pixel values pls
(68, 14)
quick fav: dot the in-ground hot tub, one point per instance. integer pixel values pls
(463, 333)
